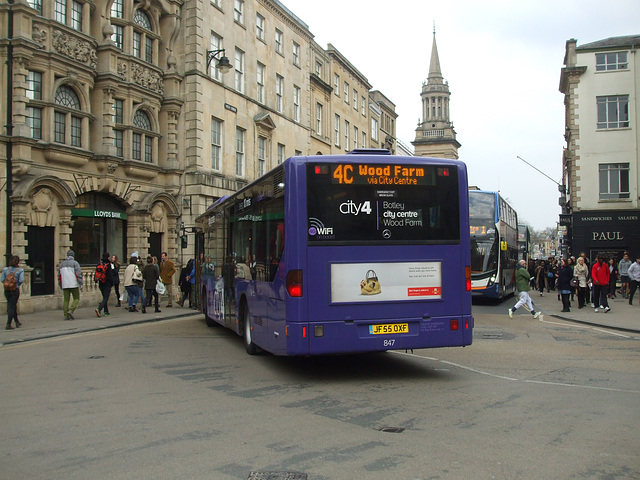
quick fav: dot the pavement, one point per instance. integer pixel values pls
(622, 316)
(39, 325)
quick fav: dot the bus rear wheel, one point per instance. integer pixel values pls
(248, 339)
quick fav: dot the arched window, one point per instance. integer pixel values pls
(142, 43)
(67, 125)
(142, 138)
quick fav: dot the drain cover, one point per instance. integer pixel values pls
(96, 357)
(391, 429)
(277, 476)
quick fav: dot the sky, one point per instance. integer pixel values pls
(502, 60)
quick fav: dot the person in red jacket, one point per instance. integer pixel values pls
(600, 277)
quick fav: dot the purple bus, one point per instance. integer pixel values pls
(349, 253)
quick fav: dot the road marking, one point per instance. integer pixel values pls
(502, 377)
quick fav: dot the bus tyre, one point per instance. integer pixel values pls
(205, 309)
(248, 339)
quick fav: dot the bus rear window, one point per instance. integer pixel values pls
(380, 204)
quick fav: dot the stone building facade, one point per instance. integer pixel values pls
(601, 164)
(121, 130)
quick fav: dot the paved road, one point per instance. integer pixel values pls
(530, 398)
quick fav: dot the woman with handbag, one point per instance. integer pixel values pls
(581, 274)
(132, 283)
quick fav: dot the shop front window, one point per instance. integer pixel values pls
(99, 225)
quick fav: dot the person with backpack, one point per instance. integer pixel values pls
(70, 281)
(12, 277)
(104, 278)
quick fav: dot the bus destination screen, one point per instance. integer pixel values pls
(359, 203)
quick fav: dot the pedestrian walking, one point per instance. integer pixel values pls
(70, 281)
(565, 274)
(541, 277)
(600, 277)
(104, 278)
(634, 279)
(132, 283)
(115, 262)
(623, 271)
(187, 281)
(522, 285)
(151, 274)
(167, 269)
(12, 278)
(581, 273)
(613, 277)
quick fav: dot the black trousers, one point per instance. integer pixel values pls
(152, 292)
(633, 286)
(12, 305)
(105, 289)
(600, 295)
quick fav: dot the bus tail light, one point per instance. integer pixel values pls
(294, 283)
(467, 278)
(454, 324)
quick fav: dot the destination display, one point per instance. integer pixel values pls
(406, 204)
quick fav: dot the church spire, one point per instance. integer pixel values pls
(435, 135)
(434, 65)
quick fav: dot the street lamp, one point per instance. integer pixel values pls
(223, 64)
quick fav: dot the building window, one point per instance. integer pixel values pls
(118, 111)
(140, 38)
(336, 130)
(37, 5)
(347, 127)
(142, 138)
(215, 44)
(61, 11)
(216, 143)
(614, 181)
(262, 155)
(364, 140)
(91, 236)
(239, 70)
(65, 120)
(374, 129)
(217, 3)
(319, 118)
(117, 37)
(319, 69)
(613, 111)
(611, 61)
(346, 92)
(336, 84)
(281, 157)
(118, 142)
(296, 103)
(260, 27)
(239, 152)
(260, 82)
(279, 93)
(363, 105)
(296, 54)
(279, 41)
(76, 16)
(355, 100)
(117, 8)
(34, 85)
(355, 137)
(238, 11)
(34, 122)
